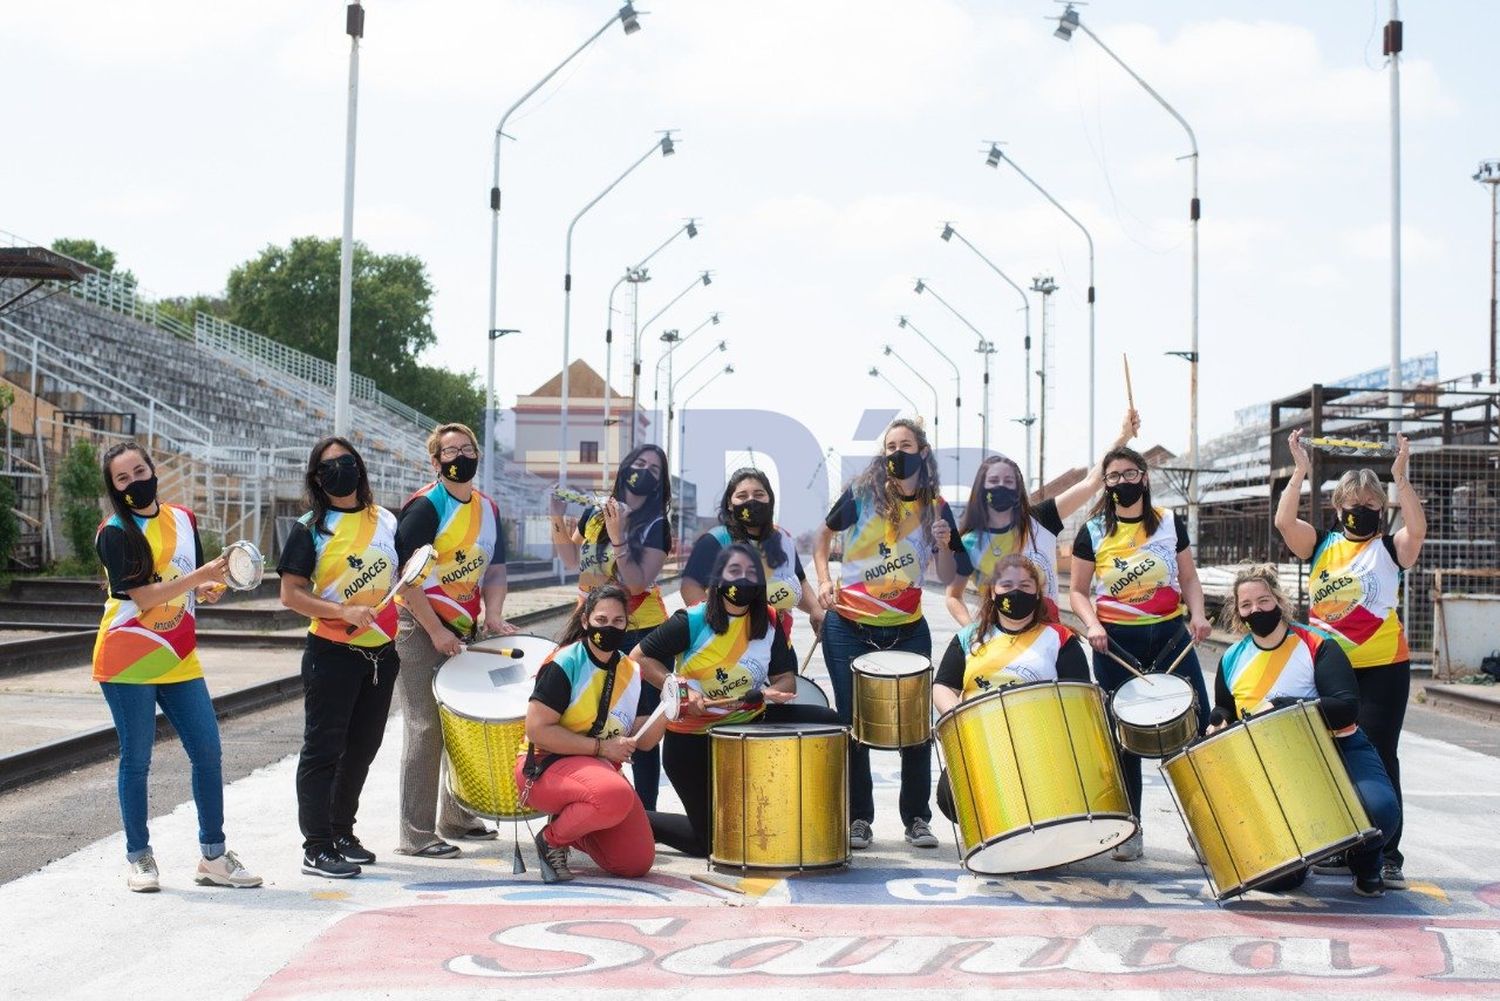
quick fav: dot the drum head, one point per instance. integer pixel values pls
(891, 664)
(754, 731)
(1153, 699)
(1050, 845)
(484, 687)
(810, 693)
(244, 565)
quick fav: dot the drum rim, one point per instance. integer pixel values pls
(1192, 696)
(735, 730)
(1287, 868)
(997, 693)
(854, 664)
(757, 867)
(1050, 822)
(1235, 725)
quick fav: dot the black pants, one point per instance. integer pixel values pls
(645, 766)
(1383, 692)
(686, 759)
(345, 698)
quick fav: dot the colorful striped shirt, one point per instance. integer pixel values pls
(158, 645)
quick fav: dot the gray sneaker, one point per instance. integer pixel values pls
(142, 876)
(1333, 865)
(920, 835)
(554, 860)
(860, 834)
(1392, 876)
(1130, 849)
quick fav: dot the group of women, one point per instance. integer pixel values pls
(1132, 586)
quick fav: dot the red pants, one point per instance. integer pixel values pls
(595, 810)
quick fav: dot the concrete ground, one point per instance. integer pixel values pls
(901, 922)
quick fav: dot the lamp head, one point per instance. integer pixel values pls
(921, 286)
(667, 146)
(629, 19)
(874, 372)
(901, 322)
(729, 370)
(713, 318)
(947, 231)
(1066, 24)
(707, 278)
(994, 156)
(669, 336)
(723, 345)
(887, 349)
(692, 228)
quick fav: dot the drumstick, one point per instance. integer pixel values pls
(810, 650)
(513, 652)
(1129, 393)
(719, 882)
(1121, 661)
(1178, 660)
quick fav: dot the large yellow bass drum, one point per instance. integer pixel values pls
(1266, 797)
(780, 796)
(1034, 777)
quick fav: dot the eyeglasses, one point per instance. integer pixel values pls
(1128, 476)
(467, 451)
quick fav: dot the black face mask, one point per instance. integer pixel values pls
(139, 494)
(339, 477)
(606, 638)
(1016, 604)
(751, 514)
(1001, 499)
(461, 469)
(641, 482)
(1263, 622)
(899, 465)
(1126, 494)
(1361, 521)
(742, 593)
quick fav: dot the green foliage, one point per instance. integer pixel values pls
(79, 481)
(183, 307)
(291, 295)
(212, 544)
(441, 394)
(91, 253)
(10, 525)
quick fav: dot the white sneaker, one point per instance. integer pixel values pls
(1130, 849)
(860, 835)
(226, 870)
(142, 876)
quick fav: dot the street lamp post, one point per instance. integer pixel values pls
(354, 26)
(877, 374)
(704, 278)
(672, 385)
(667, 147)
(627, 17)
(1489, 173)
(958, 395)
(1066, 25)
(682, 436)
(673, 343)
(1045, 286)
(993, 159)
(949, 232)
(986, 348)
(890, 352)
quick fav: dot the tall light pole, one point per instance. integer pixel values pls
(1066, 25)
(704, 278)
(682, 436)
(634, 275)
(673, 343)
(1489, 173)
(986, 348)
(877, 374)
(948, 233)
(667, 147)
(628, 19)
(354, 26)
(958, 395)
(672, 385)
(993, 159)
(1392, 48)
(890, 352)
(1044, 286)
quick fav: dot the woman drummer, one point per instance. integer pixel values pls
(737, 667)
(1132, 575)
(1001, 519)
(1281, 663)
(1014, 641)
(745, 515)
(465, 589)
(337, 565)
(895, 527)
(582, 723)
(146, 655)
(1356, 578)
(626, 540)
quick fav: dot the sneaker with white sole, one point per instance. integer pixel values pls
(329, 864)
(860, 835)
(226, 870)
(1392, 876)
(919, 835)
(1130, 849)
(143, 876)
(554, 860)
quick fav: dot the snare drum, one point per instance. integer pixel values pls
(780, 796)
(1266, 797)
(481, 703)
(1156, 715)
(892, 699)
(810, 693)
(1035, 779)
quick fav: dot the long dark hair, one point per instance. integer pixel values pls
(718, 619)
(988, 618)
(977, 512)
(656, 506)
(883, 491)
(770, 539)
(578, 623)
(317, 497)
(1105, 505)
(138, 558)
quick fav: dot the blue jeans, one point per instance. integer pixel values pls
(190, 711)
(1146, 644)
(843, 641)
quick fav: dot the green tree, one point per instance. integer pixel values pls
(92, 253)
(441, 394)
(291, 294)
(183, 307)
(10, 526)
(79, 481)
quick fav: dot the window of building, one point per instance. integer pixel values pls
(588, 451)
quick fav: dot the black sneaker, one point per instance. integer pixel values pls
(329, 863)
(348, 846)
(554, 861)
(1392, 876)
(1372, 887)
(1333, 865)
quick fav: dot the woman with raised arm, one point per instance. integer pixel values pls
(895, 528)
(1132, 582)
(1355, 578)
(1000, 519)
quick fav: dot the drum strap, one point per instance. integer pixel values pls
(535, 765)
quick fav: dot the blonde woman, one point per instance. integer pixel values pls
(1355, 581)
(1280, 663)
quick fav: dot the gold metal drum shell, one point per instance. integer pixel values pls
(892, 710)
(780, 794)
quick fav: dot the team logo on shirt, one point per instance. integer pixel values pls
(729, 681)
(355, 563)
(885, 550)
(165, 617)
(1120, 564)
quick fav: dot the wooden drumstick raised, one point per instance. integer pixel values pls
(513, 652)
(1129, 393)
(1190, 645)
(1123, 663)
(810, 651)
